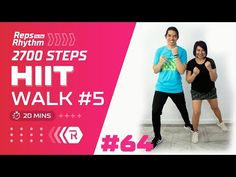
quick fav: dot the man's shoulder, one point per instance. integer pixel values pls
(161, 48)
(181, 48)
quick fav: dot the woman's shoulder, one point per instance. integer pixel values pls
(209, 59)
(191, 61)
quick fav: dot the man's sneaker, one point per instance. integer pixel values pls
(189, 127)
(222, 126)
(195, 137)
(156, 142)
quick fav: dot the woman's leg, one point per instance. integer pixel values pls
(196, 104)
(195, 119)
(215, 108)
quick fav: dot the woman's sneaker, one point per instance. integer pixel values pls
(195, 137)
(222, 126)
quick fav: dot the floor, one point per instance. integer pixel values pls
(177, 140)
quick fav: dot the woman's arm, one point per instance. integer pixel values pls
(212, 72)
(191, 76)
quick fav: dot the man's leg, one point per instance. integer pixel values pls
(158, 103)
(179, 100)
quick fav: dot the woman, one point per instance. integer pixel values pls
(201, 73)
(170, 62)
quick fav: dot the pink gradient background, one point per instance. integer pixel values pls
(107, 44)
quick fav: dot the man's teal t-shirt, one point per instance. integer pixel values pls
(169, 79)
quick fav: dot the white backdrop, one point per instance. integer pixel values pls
(221, 47)
(132, 99)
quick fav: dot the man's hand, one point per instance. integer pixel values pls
(175, 51)
(162, 60)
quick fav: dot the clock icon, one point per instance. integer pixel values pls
(16, 115)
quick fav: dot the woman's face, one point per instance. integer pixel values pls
(200, 52)
(171, 37)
